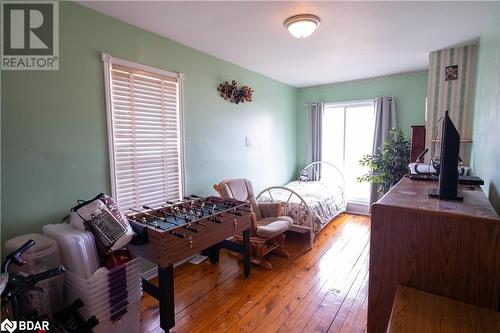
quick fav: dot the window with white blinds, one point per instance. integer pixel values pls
(145, 133)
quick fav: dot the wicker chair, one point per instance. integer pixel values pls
(268, 223)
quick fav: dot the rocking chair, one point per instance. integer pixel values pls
(268, 223)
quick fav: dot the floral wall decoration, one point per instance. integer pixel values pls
(230, 92)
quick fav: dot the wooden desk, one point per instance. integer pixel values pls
(415, 311)
(448, 248)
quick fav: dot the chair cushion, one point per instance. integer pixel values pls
(269, 227)
(240, 189)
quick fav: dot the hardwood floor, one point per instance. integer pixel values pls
(322, 290)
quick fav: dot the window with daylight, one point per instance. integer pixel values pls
(145, 132)
(348, 130)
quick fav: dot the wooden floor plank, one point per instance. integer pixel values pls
(296, 291)
(244, 301)
(294, 287)
(324, 288)
(271, 280)
(334, 297)
(356, 320)
(353, 300)
(312, 303)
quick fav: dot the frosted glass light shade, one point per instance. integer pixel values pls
(302, 26)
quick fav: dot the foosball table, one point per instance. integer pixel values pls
(176, 231)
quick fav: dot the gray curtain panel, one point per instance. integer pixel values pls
(315, 115)
(385, 120)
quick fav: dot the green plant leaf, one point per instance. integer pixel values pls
(389, 163)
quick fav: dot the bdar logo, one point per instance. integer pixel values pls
(24, 325)
(8, 325)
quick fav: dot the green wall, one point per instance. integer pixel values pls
(53, 125)
(410, 91)
(486, 129)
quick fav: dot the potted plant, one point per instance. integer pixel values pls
(389, 163)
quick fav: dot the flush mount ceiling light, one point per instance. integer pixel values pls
(303, 25)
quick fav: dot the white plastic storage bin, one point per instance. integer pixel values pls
(78, 250)
(113, 296)
(129, 323)
(100, 289)
(96, 300)
(40, 257)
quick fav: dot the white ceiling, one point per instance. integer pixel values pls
(354, 40)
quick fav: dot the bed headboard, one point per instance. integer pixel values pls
(314, 171)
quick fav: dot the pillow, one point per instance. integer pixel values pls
(304, 176)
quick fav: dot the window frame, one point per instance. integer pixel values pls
(108, 61)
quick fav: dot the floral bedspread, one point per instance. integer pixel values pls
(325, 201)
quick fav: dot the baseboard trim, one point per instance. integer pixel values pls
(358, 208)
(360, 214)
(151, 274)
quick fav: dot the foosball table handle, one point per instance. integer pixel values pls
(177, 234)
(215, 220)
(192, 229)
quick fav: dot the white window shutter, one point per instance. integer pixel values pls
(145, 133)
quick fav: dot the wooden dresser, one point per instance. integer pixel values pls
(448, 248)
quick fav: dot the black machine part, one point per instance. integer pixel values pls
(16, 256)
(68, 320)
(141, 233)
(462, 180)
(19, 284)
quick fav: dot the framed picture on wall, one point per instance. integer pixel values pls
(451, 73)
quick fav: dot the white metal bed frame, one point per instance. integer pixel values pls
(316, 173)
